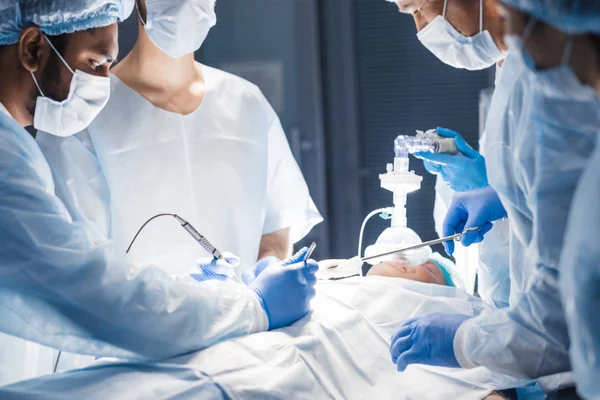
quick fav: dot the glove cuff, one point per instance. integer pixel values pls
(460, 344)
(261, 313)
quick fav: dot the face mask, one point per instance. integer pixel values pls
(559, 82)
(179, 27)
(457, 50)
(87, 97)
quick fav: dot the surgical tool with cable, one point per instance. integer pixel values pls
(206, 245)
(203, 241)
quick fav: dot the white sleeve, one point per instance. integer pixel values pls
(443, 200)
(289, 204)
(60, 289)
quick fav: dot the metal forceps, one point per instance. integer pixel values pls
(418, 246)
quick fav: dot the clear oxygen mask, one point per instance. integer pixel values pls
(394, 238)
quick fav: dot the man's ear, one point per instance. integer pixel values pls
(32, 48)
(141, 8)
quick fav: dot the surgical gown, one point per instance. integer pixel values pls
(580, 281)
(62, 286)
(535, 161)
(227, 168)
(489, 259)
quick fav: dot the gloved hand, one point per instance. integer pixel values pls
(207, 268)
(462, 172)
(250, 275)
(477, 208)
(426, 340)
(285, 290)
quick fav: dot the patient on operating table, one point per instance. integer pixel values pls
(341, 350)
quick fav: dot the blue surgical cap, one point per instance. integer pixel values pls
(58, 17)
(570, 16)
(448, 269)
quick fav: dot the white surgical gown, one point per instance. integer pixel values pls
(227, 168)
(535, 159)
(62, 286)
(580, 281)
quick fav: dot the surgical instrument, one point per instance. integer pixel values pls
(199, 238)
(310, 251)
(192, 231)
(418, 246)
(206, 245)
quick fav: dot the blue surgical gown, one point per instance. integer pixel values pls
(580, 281)
(535, 159)
(63, 286)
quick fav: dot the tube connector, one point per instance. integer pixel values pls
(424, 142)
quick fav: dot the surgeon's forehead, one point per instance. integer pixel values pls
(412, 6)
(101, 40)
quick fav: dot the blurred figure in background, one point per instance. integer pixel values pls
(569, 86)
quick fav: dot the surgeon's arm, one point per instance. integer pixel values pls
(59, 289)
(276, 244)
(529, 340)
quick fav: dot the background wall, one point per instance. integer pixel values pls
(346, 77)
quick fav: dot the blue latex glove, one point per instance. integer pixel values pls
(477, 208)
(208, 268)
(426, 340)
(252, 273)
(286, 289)
(462, 172)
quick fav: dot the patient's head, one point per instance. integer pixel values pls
(428, 272)
(437, 270)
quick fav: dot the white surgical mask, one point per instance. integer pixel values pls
(179, 27)
(457, 50)
(87, 97)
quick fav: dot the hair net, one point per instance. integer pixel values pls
(448, 269)
(57, 17)
(570, 16)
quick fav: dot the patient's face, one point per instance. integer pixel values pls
(427, 273)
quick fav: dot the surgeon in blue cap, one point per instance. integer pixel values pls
(575, 26)
(62, 284)
(537, 167)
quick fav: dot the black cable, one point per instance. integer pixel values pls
(343, 277)
(146, 223)
(57, 360)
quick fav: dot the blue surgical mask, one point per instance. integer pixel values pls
(560, 81)
(179, 27)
